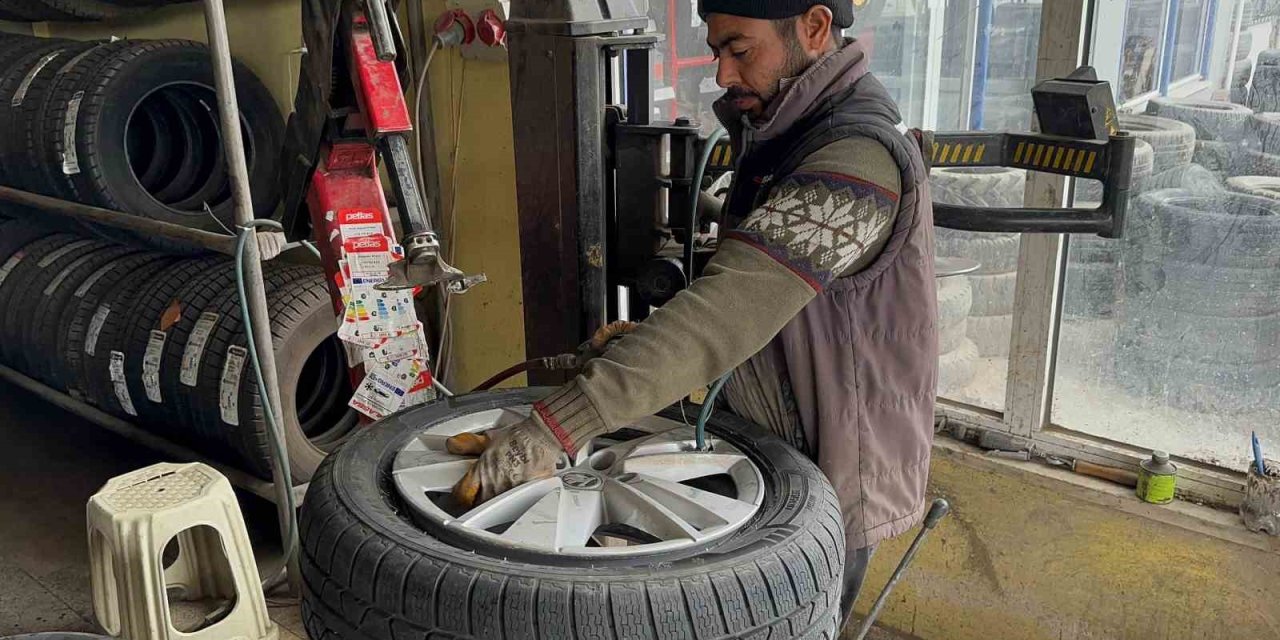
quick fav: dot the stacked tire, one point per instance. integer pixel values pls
(1264, 92)
(957, 354)
(990, 321)
(1092, 282)
(131, 126)
(158, 340)
(73, 10)
(1200, 325)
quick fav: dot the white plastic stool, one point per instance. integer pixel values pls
(131, 521)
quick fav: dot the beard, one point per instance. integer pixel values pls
(795, 64)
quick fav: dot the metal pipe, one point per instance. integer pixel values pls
(133, 432)
(982, 54)
(238, 170)
(937, 511)
(1166, 56)
(119, 220)
(1206, 53)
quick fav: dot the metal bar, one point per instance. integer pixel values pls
(133, 432)
(1166, 52)
(424, 119)
(1206, 51)
(380, 28)
(1237, 19)
(117, 219)
(982, 54)
(1037, 292)
(255, 290)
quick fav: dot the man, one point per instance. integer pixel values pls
(820, 298)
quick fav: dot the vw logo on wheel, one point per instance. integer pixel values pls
(581, 481)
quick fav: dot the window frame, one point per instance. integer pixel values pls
(1038, 294)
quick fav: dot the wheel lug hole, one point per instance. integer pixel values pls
(602, 460)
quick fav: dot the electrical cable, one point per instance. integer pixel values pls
(279, 462)
(444, 355)
(417, 109)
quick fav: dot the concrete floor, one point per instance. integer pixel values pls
(50, 463)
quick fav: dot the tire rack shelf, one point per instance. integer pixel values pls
(215, 21)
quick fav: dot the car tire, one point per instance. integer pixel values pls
(1260, 186)
(957, 367)
(158, 309)
(1201, 338)
(978, 186)
(1220, 158)
(368, 573)
(41, 327)
(1226, 230)
(31, 260)
(1191, 177)
(1172, 143)
(1212, 120)
(1091, 290)
(994, 252)
(1264, 92)
(992, 294)
(303, 324)
(78, 321)
(955, 298)
(113, 81)
(991, 334)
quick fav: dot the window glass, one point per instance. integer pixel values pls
(1140, 57)
(1188, 43)
(926, 55)
(1170, 336)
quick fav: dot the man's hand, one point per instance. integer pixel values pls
(509, 457)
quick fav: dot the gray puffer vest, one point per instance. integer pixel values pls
(861, 359)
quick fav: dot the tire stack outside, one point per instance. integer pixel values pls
(1264, 91)
(1095, 279)
(990, 320)
(131, 126)
(957, 354)
(1200, 323)
(156, 339)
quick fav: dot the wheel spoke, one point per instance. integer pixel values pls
(678, 467)
(507, 507)
(409, 460)
(702, 509)
(537, 527)
(626, 505)
(581, 513)
(435, 477)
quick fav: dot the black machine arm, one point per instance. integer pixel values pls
(1079, 140)
(1109, 162)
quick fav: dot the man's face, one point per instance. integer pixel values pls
(754, 57)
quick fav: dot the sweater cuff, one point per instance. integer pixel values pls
(570, 415)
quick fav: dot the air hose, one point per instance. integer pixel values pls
(708, 407)
(700, 170)
(279, 461)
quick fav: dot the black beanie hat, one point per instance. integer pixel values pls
(841, 10)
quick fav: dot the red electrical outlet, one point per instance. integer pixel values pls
(490, 28)
(455, 28)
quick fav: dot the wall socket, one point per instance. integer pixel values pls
(478, 49)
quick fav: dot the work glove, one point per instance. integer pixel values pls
(509, 457)
(523, 452)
